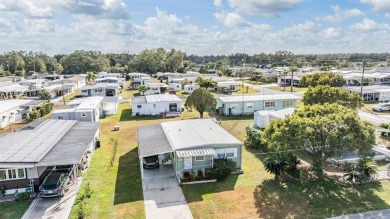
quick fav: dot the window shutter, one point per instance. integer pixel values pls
(235, 152)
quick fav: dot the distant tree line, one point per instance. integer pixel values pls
(152, 61)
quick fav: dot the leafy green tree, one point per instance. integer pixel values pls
(15, 62)
(58, 68)
(201, 100)
(44, 95)
(206, 82)
(324, 78)
(284, 74)
(325, 130)
(326, 94)
(142, 89)
(292, 69)
(82, 61)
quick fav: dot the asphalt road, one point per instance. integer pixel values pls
(377, 119)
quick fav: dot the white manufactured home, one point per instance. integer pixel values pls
(90, 110)
(167, 104)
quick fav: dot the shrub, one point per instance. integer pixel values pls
(200, 174)
(253, 139)
(2, 190)
(186, 174)
(23, 196)
(127, 78)
(88, 191)
(34, 115)
(222, 168)
(192, 176)
(46, 108)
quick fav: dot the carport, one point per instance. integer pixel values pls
(153, 141)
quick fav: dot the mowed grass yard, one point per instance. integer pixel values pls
(13, 210)
(118, 191)
(288, 88)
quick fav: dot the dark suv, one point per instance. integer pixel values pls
(151, 162)
(54, 184)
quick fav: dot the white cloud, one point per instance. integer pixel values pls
(379, 5)
(263, 8)
(331, 32)
(387, 15)
(218, 3)
(230, 19)
(369, 25)
(340, 15)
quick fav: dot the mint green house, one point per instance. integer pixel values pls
(250, 103)
(185, 145)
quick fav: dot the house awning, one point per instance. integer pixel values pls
(152, 141)
(195, 152)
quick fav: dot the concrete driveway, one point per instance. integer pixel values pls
(164, 198)
(53, 208)
(381, 214)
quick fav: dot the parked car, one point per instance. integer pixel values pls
(54, 184)
(172, 92)
(151, 162)
(381, 107)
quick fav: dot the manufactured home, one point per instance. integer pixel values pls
(166, 104)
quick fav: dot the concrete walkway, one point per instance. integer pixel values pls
(367, 215)
(164, 199)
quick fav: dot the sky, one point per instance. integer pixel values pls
(201, 27)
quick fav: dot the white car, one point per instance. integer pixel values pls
(381, 107)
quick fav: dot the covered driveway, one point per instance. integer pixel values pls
(153, 141)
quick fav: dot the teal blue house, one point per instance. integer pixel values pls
(248, 104)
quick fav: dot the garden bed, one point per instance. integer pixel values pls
(198, 182)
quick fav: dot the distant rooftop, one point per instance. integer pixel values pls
(257, 97)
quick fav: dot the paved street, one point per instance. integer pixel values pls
(367, 215)
(377, 119)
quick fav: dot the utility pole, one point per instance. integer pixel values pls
(361, 83)
(63, 90)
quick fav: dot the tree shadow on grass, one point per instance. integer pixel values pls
(194, 192)
(126, 116)
(315, 198)
(128, 186)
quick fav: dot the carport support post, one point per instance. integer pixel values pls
(141, 167)
(75, 176)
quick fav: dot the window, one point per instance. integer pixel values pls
(83, 114)
(287, 103)
(60, 117)
(234, 106)
(249, 105)
(139, 106)
(154, 106)
(199, 158)
(10, 174)
(269, 104)
(229, 152)
(220, 153)
(84, 91)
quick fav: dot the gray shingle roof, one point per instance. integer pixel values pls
(71, 148)
(152, 140)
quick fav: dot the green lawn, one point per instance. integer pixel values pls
(287, 88)
(118, 190)
(13, 210)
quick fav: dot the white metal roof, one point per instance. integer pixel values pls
(195, 152)
(13, 87)
(162, 98)
(6, 105)
(281, 114)
(191, 133)
(257, 97)
(90, 103)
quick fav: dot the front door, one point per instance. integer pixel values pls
(89, 92)
(188, 163)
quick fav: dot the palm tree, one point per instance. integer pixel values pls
(292, 69)
(285, 72)
(90, 76)
(275, 164)
(142, 89)
(353, 175)
(367, 167)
